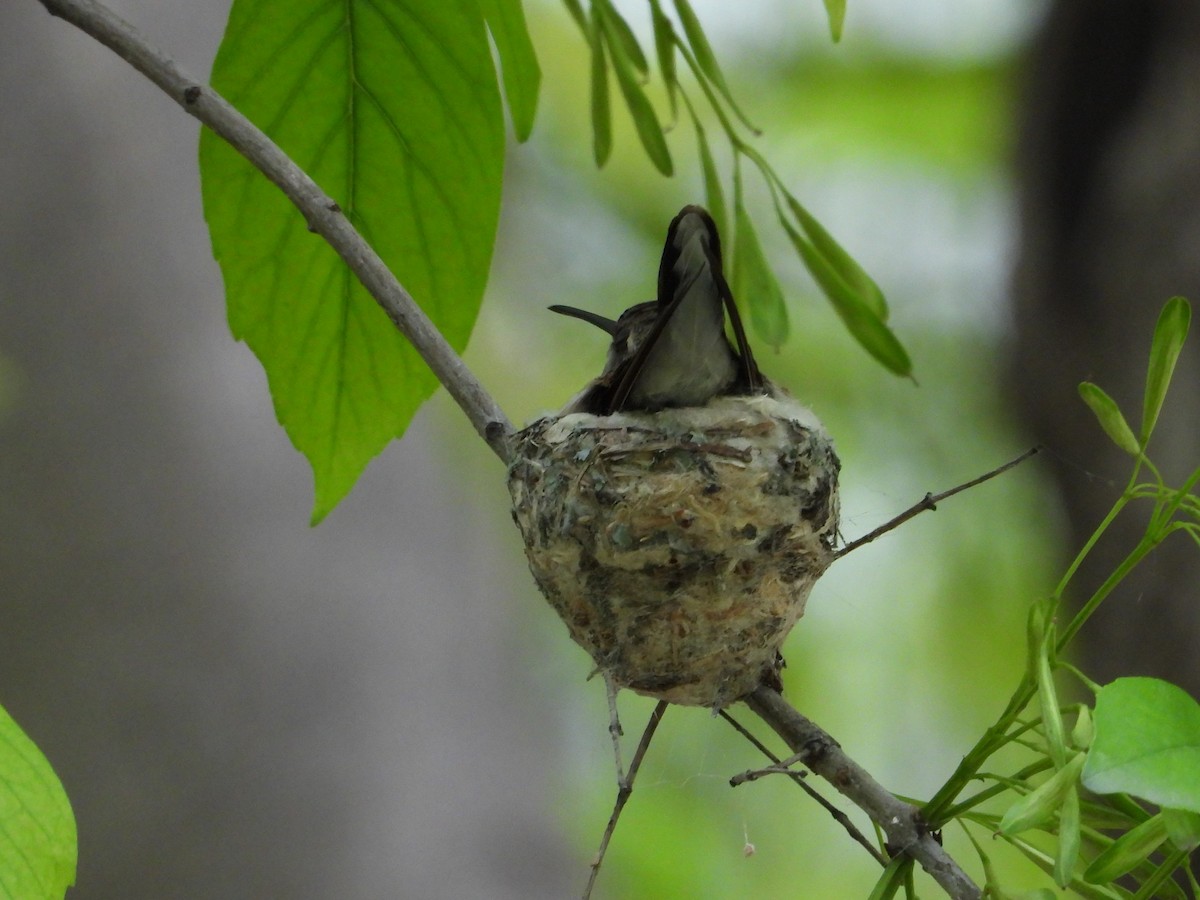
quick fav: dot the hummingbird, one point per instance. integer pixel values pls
(672, 351)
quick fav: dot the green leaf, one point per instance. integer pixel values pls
(601, 106)
(1109, 416)
(518, 62)
(892, 877)
(1068, 839)
(393, 108)
(842, 263)
(1183, 827)
(836, 10)
(1082, 733)
(664, 48)
(863, 323)
(576, 10)
(714, 195)
(1040, 804)
(1147, 743)
(754, 283)
(645, 120)
(1127, 852)
(620, 31)
(1042, 636)
(705, 58)
(1169, 335)
(38, 842)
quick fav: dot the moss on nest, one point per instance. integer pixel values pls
(680, 546)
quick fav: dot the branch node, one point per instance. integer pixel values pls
(191, 94)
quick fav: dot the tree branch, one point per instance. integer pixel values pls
(322, 213)
(906, 831)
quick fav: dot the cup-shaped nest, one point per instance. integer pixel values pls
(679, 546)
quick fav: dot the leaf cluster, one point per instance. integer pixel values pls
(1118, 790)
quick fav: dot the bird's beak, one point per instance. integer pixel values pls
(604, 324)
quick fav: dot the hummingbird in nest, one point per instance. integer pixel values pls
(673, 351)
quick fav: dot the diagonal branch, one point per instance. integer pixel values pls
(322, 213)
(906, 831)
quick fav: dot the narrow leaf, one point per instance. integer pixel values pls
(754, 284)
(836, 11)
(645, 120)
(518, 62)
(395, 111)
(705, 58)
(863, 323)
(1109, 416)
(664, 48)
(1082, 733)
(576, 10)
(841, 262)
(38, 841)
(1169, 335)
(892, 878)
(1127, 852)
(714, 195)
(1040, 804)
(1068, 839)
(601, 107)
(1052, 723)
(620, 31)
(1147, 743)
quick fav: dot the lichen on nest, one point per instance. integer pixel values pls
(679, 546)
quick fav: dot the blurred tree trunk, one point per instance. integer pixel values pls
(1108, 173)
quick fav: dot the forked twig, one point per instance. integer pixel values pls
(784, 767)
(930, 502)
(906, 831)
(624, 789)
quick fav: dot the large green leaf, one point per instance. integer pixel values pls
(37, 828)
(1147, 743)
(393, 107)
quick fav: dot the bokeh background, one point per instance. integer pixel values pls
(383, 706)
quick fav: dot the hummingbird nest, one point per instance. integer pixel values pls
(679, 546)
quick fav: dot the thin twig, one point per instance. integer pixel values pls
(624, 789)
(930, 502)
(319, 209)
(905, 829)
(784, 767)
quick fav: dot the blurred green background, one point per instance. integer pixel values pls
(384, 706)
